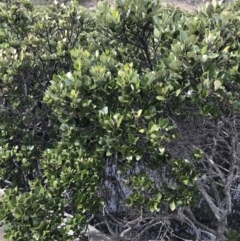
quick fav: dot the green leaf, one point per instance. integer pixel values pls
(64, 127)
(191, 40)
(178, 92)
(183, 36)
(138, 157)
(105, 110)
(72, 93)
(162, 122)
(175, 64)
(5, 227)
(217, 84)
(212, 56)
(161, 98)
(139, 113)
(159, 196)
(68, 82)
(236, 105)
(204, 58)
(204, 50)
(206, 109)
(151, 208)
(132, 139)
(119, 121)
(129, 201)
(209, 9)
(186, 181)
(156, 33)
(225, 16)
(197, 154)
(172, 206)
(152, 127)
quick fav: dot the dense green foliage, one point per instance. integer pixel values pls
(81, 90)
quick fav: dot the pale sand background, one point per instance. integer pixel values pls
(1, 235)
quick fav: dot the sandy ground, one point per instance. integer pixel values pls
(1, 235)
(181, 4)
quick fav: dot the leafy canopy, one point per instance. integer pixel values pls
(79, 87)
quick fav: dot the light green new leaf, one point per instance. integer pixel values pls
(217, 84)
(157, 33)
(161, 98)
(204, 50)
(152, 127)
(159, 196)
(204, 58)
(172, 206)
(178, 92)
(225, 16)
(213, 56)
